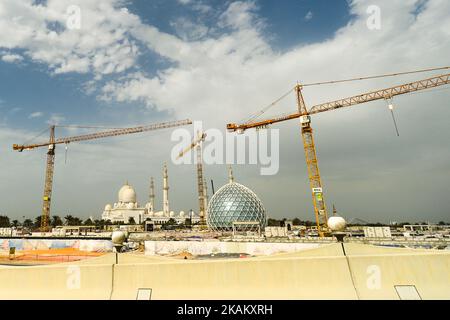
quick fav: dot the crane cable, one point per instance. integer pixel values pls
(261, 112)
(264, 110)
(38, 135)
(87, 127)
(374, 77)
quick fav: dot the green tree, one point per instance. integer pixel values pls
(56, 221)
(131, 220)
(99, 223)
(4, 222)
(77, 221)
(37, 222)
(171, 221)
(273, 222)
(15, 223)
(69, 220)
(88, 222)
(309, 223)
(27, 223)
(73, 221)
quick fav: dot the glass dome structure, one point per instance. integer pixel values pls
(235, 203)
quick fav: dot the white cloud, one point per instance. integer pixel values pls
(15, 110)
(12, 58)
(240, 68)
(188, 30)
(308, 16)
(100, 46)
(55, 119)
(199, 6)
(36, 114)
(241, 15)
(230, 76)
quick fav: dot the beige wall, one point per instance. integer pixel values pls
(366, 272)
(284, 278)
(56, 282)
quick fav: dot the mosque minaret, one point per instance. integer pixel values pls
(151, 207)
(166, 210)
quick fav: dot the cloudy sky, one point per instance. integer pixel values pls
(136, 62)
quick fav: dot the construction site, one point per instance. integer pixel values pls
(227, 240)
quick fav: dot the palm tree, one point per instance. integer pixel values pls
(15, 223)
(88, 222)
(77, 221)
(56, 221)
(27, 223)
(4, 222)
(69, 220)
(37, 222)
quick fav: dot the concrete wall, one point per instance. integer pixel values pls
(363, 272)
(376, 271)
(292, 278)
(56, 282)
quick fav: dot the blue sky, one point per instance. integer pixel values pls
(29, 87)
(135, 62)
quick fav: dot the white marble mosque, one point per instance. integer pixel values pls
(127, 207)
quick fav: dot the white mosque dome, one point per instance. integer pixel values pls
(107, 208)
(172, 214)
(127, 194)
(182, 214)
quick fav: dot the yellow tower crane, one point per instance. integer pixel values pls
(307, 132)
(51, 144)
(201, 184)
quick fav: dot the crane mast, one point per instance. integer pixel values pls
(315, 182)
(201, 185)
(51, 144)
(205, 189)
(48, 186)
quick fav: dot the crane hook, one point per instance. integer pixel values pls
(65, 154)
(391, 108)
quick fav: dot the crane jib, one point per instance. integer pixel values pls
(48, 186)
(105, 134)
